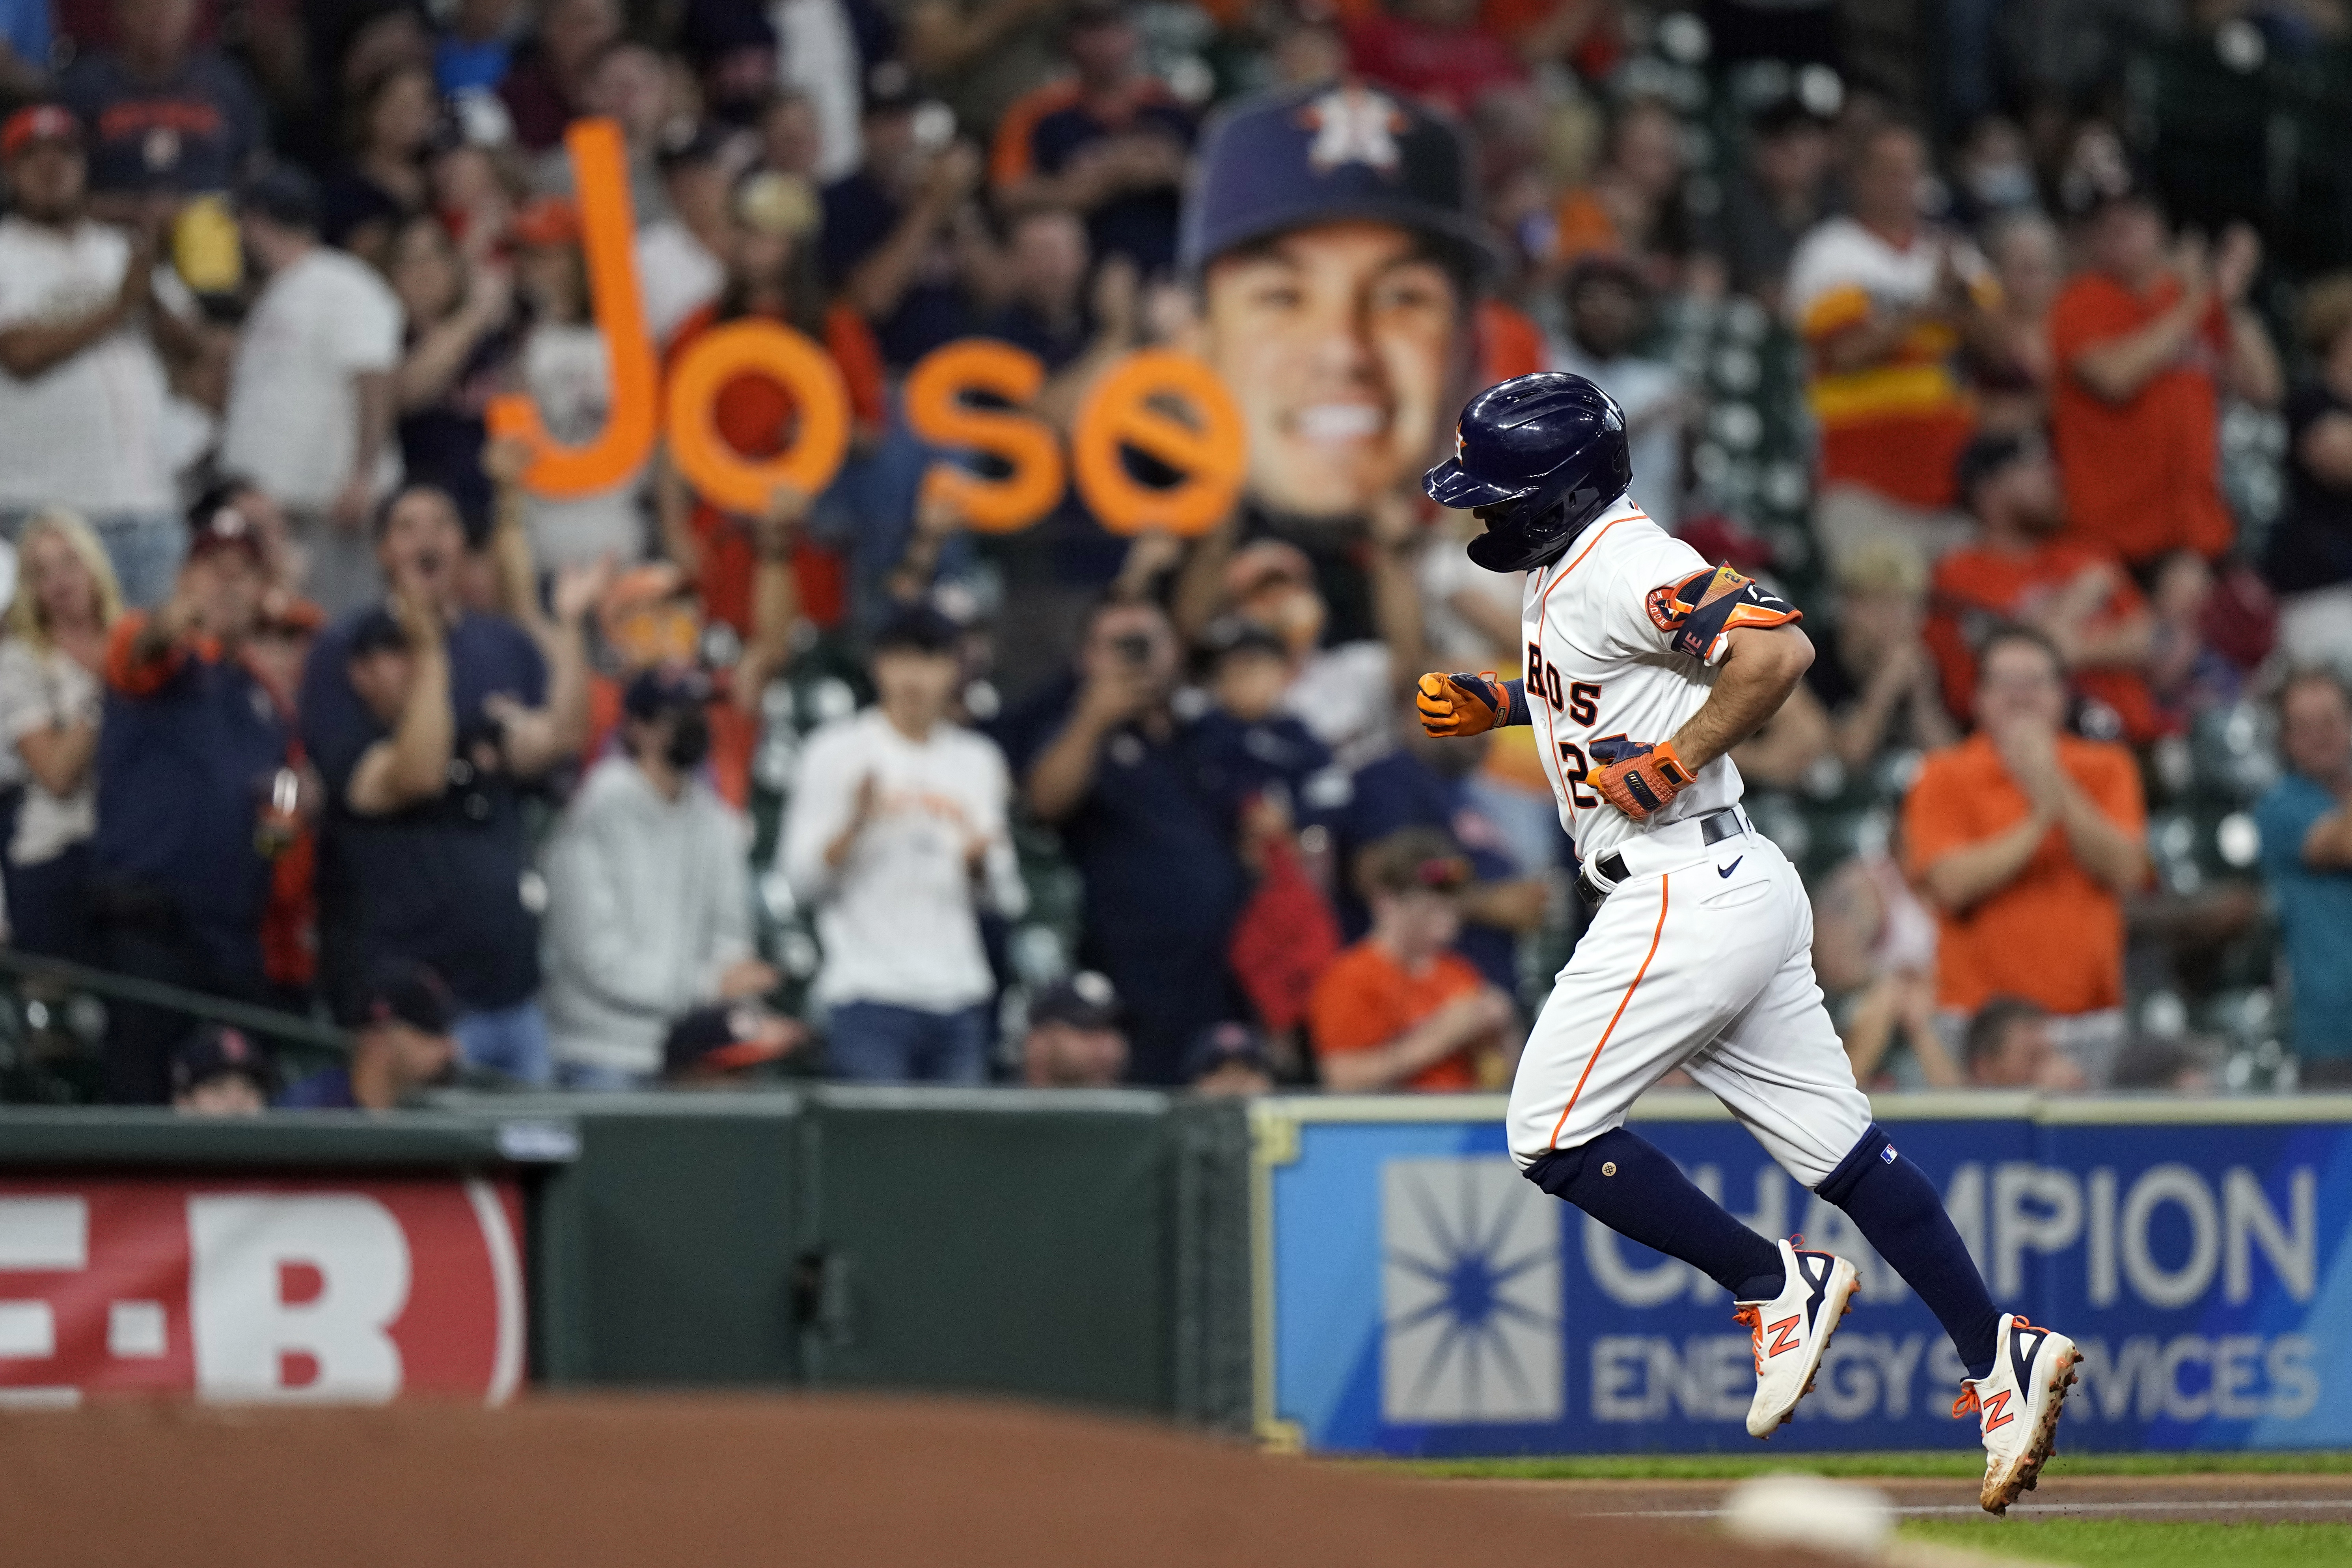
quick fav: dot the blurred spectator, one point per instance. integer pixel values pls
(402, 1042)
(2025, 840)
(1434, 51)
(1874, 951)
(568, 371)
(1871, 671)
(793, 139)
(628, 83)
(196, 771)
(1608, 312)
(1343, 693)
(2181, 1066)
(364, 204)
(1775, 198)
(2146, 341)
(475, 46)
(52, 664)
(28, 40)
(218, 1072)
(1249, 749)
(1102, 755)
(2009, 1045)
(2308, 557)
(1109, 143)
(1400, 1009)
(1428, 782)
(1229, 1061)
(1992, 172)
(1075, 1038)
(2014, 376)
(428, 721)
(771, 275)
(2187, 673)
(648, 894)
(897, 836)
(980, 55)
(1886, 301)
(1634, 204)
(725, 1046)
(827, 48)
(310, 398)
(2022, 572)
(903, 235)
(2306, 829)
(458, 353)
(171, 117)
(81, 399)
(680, 264)
(543, 88)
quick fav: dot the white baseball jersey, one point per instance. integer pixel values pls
(1602, 663)
(1701, 957)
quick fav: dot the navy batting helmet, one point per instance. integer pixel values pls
(1537, 457)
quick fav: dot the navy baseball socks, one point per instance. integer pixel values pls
(1633, 1189)
(1898, 1211)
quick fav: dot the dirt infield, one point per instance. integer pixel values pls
(2230, 1499)
(732, 1481)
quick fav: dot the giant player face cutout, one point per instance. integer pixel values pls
(1343, 344)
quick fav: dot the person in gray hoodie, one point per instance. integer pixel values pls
(648, 911)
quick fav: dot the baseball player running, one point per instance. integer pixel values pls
(1645, 665)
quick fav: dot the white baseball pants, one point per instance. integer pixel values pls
(1702, 959)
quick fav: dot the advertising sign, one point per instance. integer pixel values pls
(1417, 1297)
(314, 1291)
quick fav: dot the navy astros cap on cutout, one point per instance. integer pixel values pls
(216, 1049)
(1284, 160)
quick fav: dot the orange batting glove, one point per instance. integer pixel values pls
(1457, 705)
(1639, 778)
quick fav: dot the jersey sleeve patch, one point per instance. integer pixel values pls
(1699, 611)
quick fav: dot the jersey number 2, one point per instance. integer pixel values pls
(1572, 771)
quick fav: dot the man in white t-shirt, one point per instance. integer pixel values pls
(82, 387)
(309, 401)
(1608, 316)
(896, 834)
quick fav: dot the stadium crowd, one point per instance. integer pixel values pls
(308, 702)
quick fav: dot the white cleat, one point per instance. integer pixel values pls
(2017, 1408)
(1793, 1331)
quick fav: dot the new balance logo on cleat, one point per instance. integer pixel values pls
(1817, 1291)
(2032, 1370)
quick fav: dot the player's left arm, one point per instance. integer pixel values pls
(1762, 665)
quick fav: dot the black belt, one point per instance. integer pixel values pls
(1713, 828)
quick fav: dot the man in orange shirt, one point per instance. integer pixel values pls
(2143, 342)
(1400, 1009)
(2070, 591)
(2026, 840)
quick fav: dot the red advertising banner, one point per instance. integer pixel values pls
(315, 1291)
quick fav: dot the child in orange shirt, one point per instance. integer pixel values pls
(1400, 1009)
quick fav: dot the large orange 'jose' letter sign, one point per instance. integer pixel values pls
(724, 477)
(934, 409)
(1121, 410)
(599, 173)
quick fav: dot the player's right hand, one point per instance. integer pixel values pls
(1457, 705)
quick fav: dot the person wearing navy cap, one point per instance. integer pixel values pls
(401, 1043)
(1332, 237)
(220, 1071)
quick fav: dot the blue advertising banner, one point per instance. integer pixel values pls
(1416, 1296)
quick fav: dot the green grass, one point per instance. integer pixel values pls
(2144, 1543)
(1957, 1463)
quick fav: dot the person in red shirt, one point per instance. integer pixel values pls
(2144, 339)
(1402, 1009)
(2025, 840)
(2020, 572)
(1436, 51)
(771, 274)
